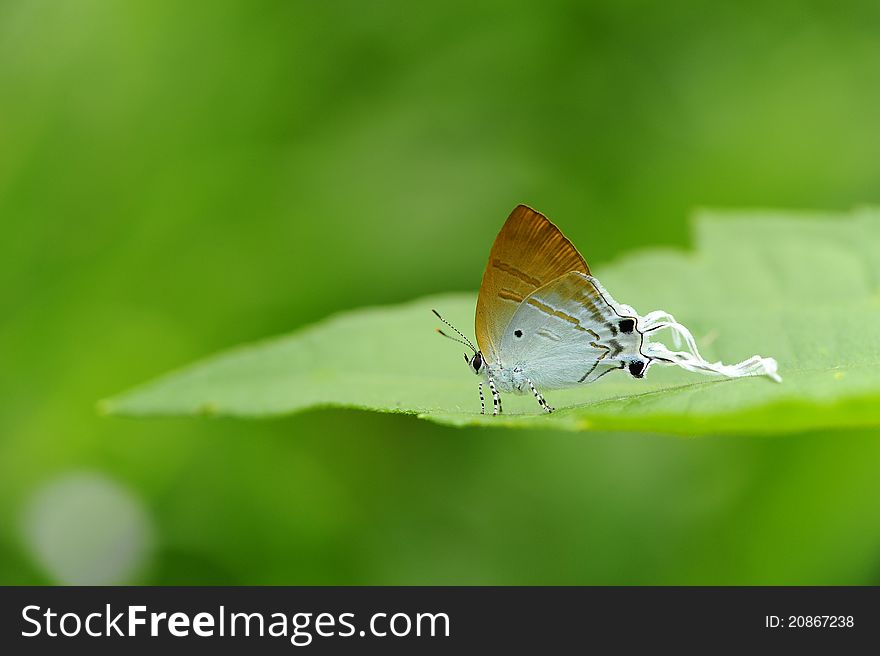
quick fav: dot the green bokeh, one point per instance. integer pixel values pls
(176, 179)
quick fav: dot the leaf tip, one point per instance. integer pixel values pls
(208, 409)
(104, 407)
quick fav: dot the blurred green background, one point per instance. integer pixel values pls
(179, 178)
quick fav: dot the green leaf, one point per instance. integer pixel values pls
(802, 289)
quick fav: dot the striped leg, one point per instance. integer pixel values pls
(496, 398)
(540, 398)
(482, 399)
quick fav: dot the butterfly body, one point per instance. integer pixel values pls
(544, 322)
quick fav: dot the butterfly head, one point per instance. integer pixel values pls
(475, 362)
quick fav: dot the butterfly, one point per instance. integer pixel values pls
(543, 321)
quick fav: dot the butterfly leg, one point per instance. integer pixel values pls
(496, 398)
(540, 398)
(482, 399)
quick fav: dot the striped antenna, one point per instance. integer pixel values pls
(464, 340)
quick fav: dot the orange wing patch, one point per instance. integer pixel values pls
(528, 253)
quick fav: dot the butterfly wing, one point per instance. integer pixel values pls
(567, 332)
(528, 253)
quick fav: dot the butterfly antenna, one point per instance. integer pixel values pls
(464, 340)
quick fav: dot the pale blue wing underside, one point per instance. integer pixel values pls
(566, 333)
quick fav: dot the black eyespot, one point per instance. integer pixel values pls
(518, 333)
(636, 367)
(627, 325)
(477, 362)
